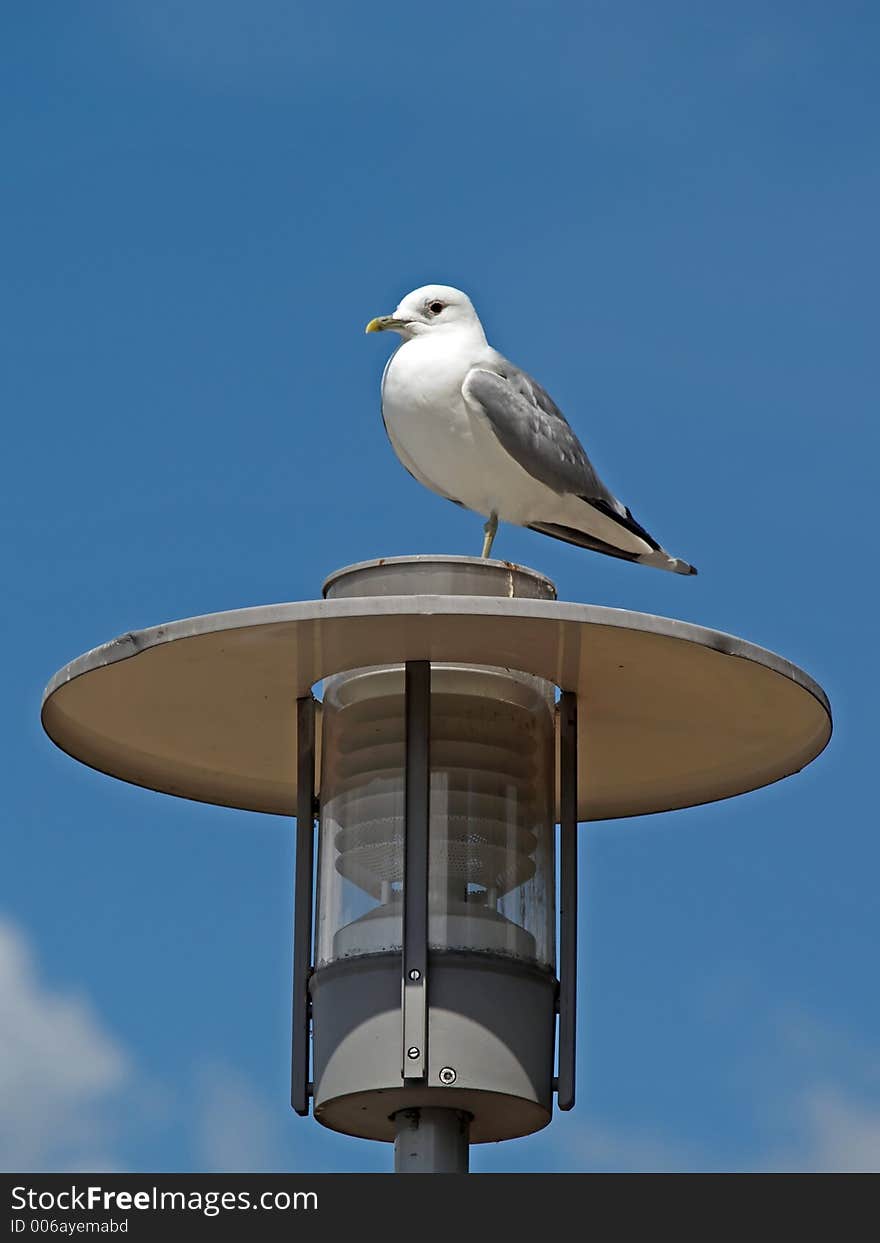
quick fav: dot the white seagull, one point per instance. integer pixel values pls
(472, 427)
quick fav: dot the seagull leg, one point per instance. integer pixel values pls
(490, 529)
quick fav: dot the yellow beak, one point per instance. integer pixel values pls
(383, 322)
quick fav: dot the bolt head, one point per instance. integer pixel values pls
(412, 1053)
(447, 1076)
(415, 974)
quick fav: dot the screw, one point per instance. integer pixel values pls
(447, 1075)
(415, 974)
(412, 1053)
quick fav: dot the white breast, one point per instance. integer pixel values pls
(447, 446)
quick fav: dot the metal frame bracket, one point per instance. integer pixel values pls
(414, 983)
(306, 811)
(568, 879)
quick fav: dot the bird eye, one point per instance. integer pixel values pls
(436, 307)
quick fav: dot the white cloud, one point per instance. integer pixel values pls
(834, 1111)
(70, 1100)
(837, 1135)
(845, 1135)
(235, 1129)
(59, 1068)
(827, 1131)
(813, 1095)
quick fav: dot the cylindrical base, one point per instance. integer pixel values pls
(431, 1141)
(442, 576)
(491, 1030)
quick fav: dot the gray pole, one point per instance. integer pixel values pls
(431, 1141)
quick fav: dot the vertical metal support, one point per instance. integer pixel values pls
(302, 897)
(568, 848)
(415, 871)
(431, 1141)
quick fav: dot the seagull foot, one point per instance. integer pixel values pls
(490, 530)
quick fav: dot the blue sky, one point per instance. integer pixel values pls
(667, 213)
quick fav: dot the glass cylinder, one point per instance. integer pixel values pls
(491, 849)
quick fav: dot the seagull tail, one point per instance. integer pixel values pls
(659, 558)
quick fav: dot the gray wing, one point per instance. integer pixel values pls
(537, 435)
(534, 431)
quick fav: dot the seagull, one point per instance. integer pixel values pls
(477, 430)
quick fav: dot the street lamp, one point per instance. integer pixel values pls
(465, 712)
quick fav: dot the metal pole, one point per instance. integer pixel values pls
(431, 1141)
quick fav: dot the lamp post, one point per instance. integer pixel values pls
(465, 713)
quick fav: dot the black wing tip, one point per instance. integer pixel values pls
(625, 520)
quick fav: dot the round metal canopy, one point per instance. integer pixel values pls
(671, 714)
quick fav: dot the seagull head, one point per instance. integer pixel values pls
(431, 309)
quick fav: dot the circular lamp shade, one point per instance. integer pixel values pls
(670, 714)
